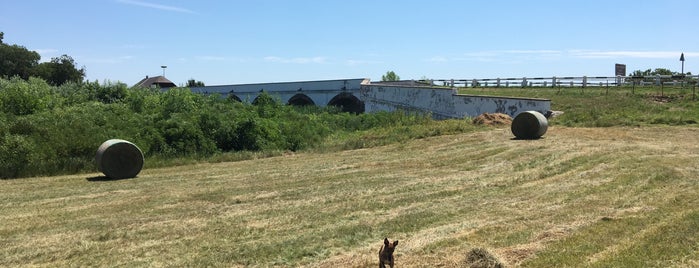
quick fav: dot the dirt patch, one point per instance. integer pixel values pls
(661, 98)
(494, 119)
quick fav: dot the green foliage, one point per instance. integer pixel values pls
(656, 72)
(20, 97)
(60, 70)
(15, 155)
(194, 83)
(17, 60)
(648, 72)
(390, 76)
(47, 130)
(613, 106)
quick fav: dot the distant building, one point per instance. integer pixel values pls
(155, 82)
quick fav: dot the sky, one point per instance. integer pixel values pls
(239, 42)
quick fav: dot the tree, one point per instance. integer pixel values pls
(194, 83)
(657, 71)
(16, 60)
(60, 70)
(390, 76)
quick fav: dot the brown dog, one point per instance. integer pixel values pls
(386, 253)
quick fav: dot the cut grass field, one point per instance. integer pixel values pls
(593, 197)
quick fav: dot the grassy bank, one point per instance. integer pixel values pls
(601, 197)
(613, 106)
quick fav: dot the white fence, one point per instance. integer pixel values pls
(567, 81)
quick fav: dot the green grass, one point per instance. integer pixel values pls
(614, 106)
(608, 197)
(625, 195)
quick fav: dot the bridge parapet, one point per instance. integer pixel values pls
(444, 103)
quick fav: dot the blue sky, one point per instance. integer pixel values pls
(232, 42)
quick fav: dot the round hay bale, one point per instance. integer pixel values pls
(529, 125)
(119, 159)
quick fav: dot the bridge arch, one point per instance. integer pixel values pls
(348, 103)
(300, 99)
(233, 97)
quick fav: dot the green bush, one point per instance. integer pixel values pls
(183, 136)
(20, 97)
(46, 130)
(15, 156)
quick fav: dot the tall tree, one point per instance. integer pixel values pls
(390, 76)
(60, 70)
(16, 60)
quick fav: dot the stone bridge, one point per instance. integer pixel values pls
(344, 93)
(360, 95)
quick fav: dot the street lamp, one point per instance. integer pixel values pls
(682, 60)
(163, 66)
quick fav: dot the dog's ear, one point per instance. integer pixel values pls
(395, 243)
(385, 241)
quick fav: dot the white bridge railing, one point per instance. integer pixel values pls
(567, 81)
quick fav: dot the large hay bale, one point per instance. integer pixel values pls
(119, 159)
(529, 125)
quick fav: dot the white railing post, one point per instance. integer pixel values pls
(553, 82)
(584, 81)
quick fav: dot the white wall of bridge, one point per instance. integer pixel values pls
(320, 92)
(444, 103)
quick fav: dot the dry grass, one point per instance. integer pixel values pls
(577, 197)
(492, 119)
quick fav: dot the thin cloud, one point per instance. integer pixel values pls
(46, 51)
(438, 59)
(537, 52)
(156, 6)
(360, 62)
(211, 58)
(529, 55)
(316, 60)
(110, 60)
(594, 54)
